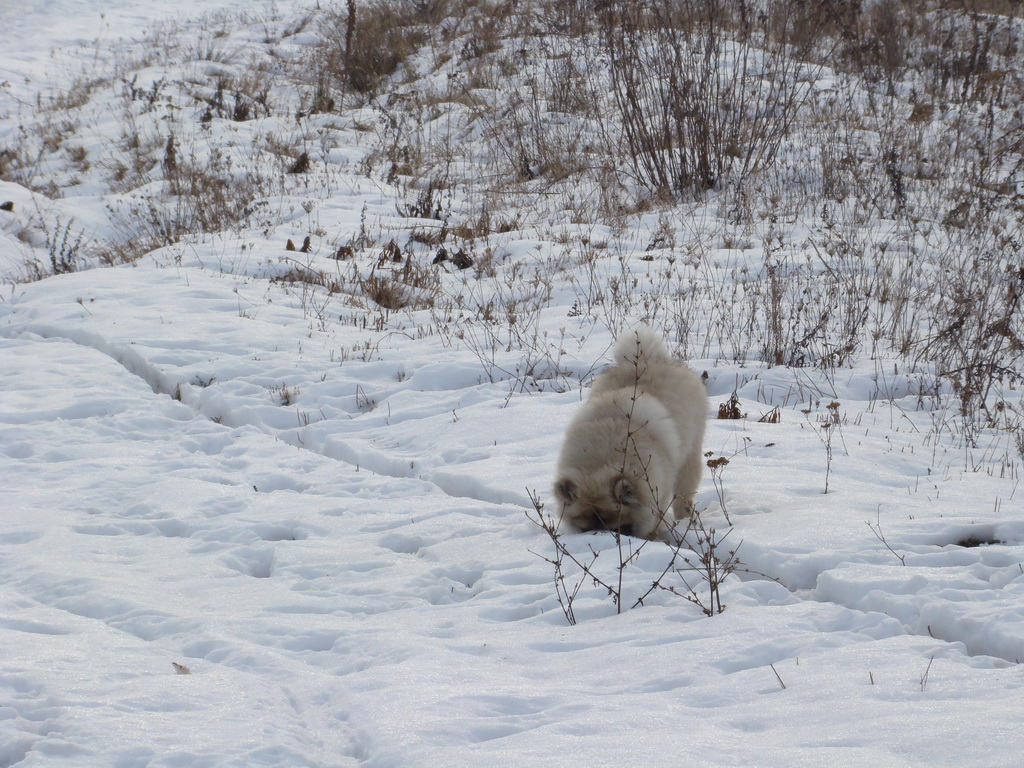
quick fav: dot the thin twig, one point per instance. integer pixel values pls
(778, 676)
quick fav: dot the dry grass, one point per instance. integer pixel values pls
(365, 42)
(673, 156)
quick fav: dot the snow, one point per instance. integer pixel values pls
(326, 523)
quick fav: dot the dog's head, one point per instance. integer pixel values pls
(612, 501)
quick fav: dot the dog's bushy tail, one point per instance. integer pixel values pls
(640, 346)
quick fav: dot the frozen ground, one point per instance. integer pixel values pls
(326, 524)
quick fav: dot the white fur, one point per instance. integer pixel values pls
(632, 459)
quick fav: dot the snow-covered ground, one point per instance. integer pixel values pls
(241, 527)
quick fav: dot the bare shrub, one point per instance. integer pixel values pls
(695, 564)
(980, 334)
(238, 100)
(298, 272)
(874, 41)
(425, 202)
(209, 198)
(64, 247)
(200, 199)
(702, 88)
(410, 286)
(364, 42)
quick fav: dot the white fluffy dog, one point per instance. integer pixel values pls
(632, 457)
